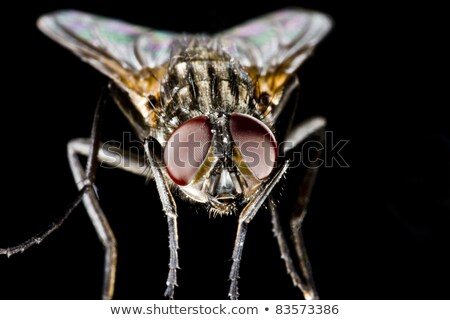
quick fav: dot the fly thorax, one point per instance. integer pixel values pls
(203, 80)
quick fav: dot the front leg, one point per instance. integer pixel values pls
(247, 214)
(170, 209)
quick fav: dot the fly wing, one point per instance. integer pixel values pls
(279, 41)
(273, 46)
(121, 51)
(134, 57)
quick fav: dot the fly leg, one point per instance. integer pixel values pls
(245, 217)
(88, 197)
(112, 156)
(85, 179)
(310, 128)
(170, 209)
(37, 239)
(108, 155)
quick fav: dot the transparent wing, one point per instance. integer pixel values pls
(118, 49)
(277, 42)
(271, 48)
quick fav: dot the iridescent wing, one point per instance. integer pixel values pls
(133, 57)
(273, 46)
(125, 53)
(276, 42)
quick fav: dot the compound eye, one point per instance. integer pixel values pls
(255, 142)
(187, 148)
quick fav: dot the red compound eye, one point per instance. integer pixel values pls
(186, 149)
(256, 143)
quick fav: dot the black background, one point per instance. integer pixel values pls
(376, 230)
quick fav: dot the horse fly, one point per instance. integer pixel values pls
(210, 103)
